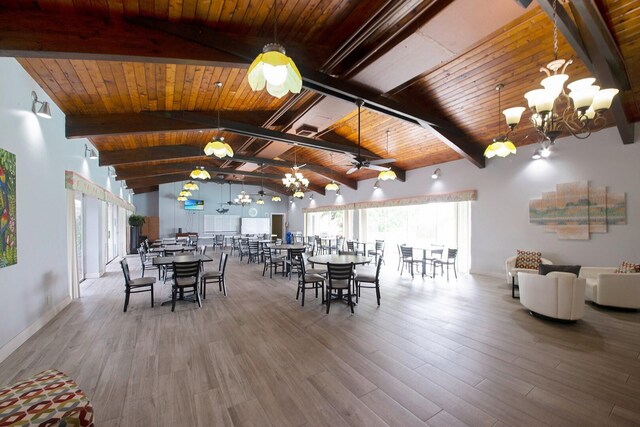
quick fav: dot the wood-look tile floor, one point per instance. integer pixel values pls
(434, 353)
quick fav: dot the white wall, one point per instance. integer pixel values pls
(146, 203)
(36, 287)
(500, 216)
(173, 216)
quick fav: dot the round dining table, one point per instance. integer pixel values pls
(340, 259)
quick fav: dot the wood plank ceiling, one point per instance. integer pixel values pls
(100, 58)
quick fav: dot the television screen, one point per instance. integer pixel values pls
(194, 205)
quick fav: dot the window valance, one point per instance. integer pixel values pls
(458, 196)
(73, 181)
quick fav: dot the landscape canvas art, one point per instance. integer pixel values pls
(577, 209)
(8, 240)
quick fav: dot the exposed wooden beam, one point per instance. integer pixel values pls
(89, 126)
(449, 133)
(170, 168)
(593, 42)
(31, 34)
(148, 189)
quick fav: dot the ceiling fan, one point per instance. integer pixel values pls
(360, 162)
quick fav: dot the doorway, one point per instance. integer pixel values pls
(277, 225)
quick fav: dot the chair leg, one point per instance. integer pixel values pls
(349, 300)
(126, 300)
(203, 288)
(454, 271)
(303, 289)
(328, 299)
(298, 291)
(224, 287)
(174, 291)
(264, 269)
(378, 292)
(151, 296)
(357, 292)
(195, 290)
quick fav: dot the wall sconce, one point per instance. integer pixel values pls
(112, 172)
(44, 111)
(436, 174)
(311, 196)
(90, 153)
(376, 185)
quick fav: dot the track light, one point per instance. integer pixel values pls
(90, 153)
(436, 174)
(44, 111)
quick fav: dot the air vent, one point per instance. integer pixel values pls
(306, 130)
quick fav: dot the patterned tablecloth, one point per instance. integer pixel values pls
(49, 398)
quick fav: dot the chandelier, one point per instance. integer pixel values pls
(217, 146)
(274, 68)
(585, 105)
(190, 186)
(242, 199)
(296, 182)
(200, 173)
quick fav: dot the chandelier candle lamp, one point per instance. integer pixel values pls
(274, 69)
(585, 104)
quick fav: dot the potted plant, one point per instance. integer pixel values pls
(135, 224)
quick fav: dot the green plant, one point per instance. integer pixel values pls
(136, 221)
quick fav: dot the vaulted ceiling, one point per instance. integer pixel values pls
(138, 78)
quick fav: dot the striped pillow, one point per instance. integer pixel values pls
(528, 259)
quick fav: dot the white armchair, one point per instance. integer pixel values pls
(606, 287)
(512, 272)
(557, 295)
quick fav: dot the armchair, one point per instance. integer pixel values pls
(557, 295)
(512, 272)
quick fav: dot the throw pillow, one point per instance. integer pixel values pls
(548, 268)
(628, 267)
(528, 259)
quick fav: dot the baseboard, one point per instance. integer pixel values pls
(93, 275)
(23, 336)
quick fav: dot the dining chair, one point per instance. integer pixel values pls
(254, 251)
(242, 247)
(146, 262)
(218, 242)
(134, 286)
(215, 276)
(347, 253)
(272, 260)
(408, 260)
(321, 269)
(186, 277)
(339, 278)
(320, 249)
(293, 261)
(369, 275)
(307, 278)
(400, 255)
(450, 261)
(435, 254)
(378, 251)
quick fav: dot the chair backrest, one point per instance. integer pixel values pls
(378, 267)
(379, 245)
(203, 249)
(340, 243)
(173, 252)
(351, 246)
(318, 242)
(253, 246)
(268, 252)
(407, 251)
(339, 272)
(125, 271)
(451, 254)
(347, 253)
(296, 256)
(219, 238)
(400, 249)
(223, 263)
(143, 254)
(299, 260)
(279, 241)
(186, 269)
(437, 253)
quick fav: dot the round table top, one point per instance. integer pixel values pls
(172, 248)
(288, 246)
(339, 259)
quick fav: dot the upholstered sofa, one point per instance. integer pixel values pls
(557, 295)
(512, 272)
(606, 287)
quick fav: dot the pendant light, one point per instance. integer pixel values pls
(217, 146)
(191, 186)
(389, 174)
(274, 69)
(501, 145)
(333, 185)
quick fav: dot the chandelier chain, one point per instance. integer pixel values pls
(555, 30)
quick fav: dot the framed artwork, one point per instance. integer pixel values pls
(576, 209)
(8, 229)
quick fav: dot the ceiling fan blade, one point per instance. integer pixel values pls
(352, 170)
(302, 165)
(376, 168)
(381, 161)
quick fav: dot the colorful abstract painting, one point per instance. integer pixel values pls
(8, 240)
(577, 209)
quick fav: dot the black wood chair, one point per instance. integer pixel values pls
(339, 279)
(272, 261)
(147, 262)
(293, 261)
(134, 286)
(186, 278)
(306, 278)
(408, 260)
(452, 255)
(378, 251)
(371, 276)
(254, 251)
(215, 276)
